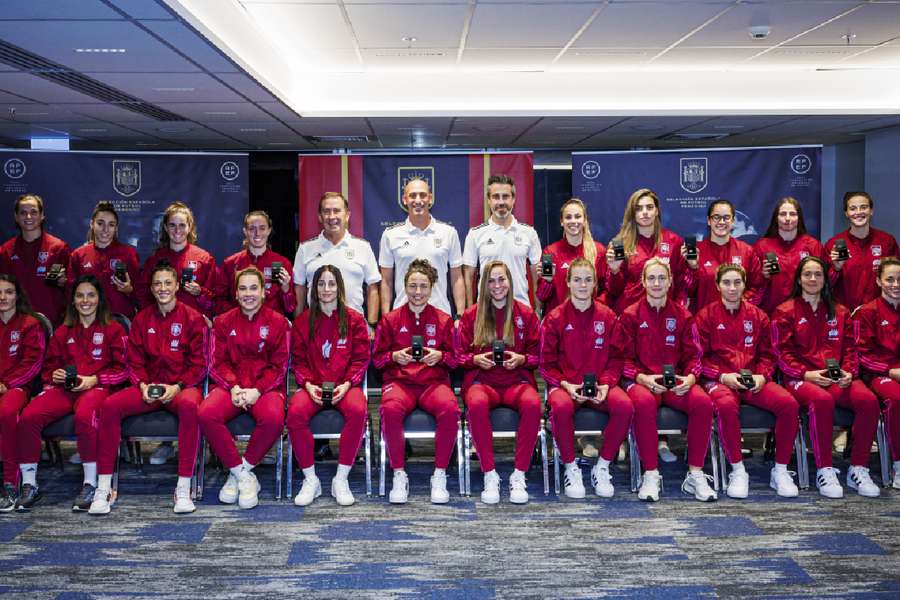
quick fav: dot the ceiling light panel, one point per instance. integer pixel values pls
(872, 24)
(48, 9)
(385, 25)
(169, 87)
(215, 112)
(297, 27)
(409, 58)
(526, 25)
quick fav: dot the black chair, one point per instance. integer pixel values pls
(587, 422)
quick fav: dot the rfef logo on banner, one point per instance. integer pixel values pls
(127, 177)
(407, 174)
(590, 169)
(801, 164)
(229, 171)
(694, 174)
(14, 168)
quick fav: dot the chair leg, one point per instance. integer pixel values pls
(201, 468)
(635, 460)
(467, 442)
(382, 468)
(555, 464)
(720, 446)
(884, 454)
(714, 459)
(195, 475)
(279, 465)
(367, 440)
(543, 435)
(289, 475)
(459, 459)
(802, 458)
(115, 478)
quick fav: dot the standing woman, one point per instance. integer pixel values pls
(486, 384)
(651, 334)
(177, 235)
(102, 256)
(732, 335)
(249, 355)
(879, 349)
(330, 343)
(807, 331)
(575, 341)
(717, 249)
(786, 237)
(643, 237)
(577, 242)
(21, 354)
(424, 382)
(92, 342)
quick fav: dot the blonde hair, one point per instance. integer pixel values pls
(582, 263)
(485, 323)
(656, 262)
(628, 233)
(589, 248)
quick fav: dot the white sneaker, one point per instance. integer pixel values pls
(400, 489)
(697, 483)
(248, 490)
(601, 479)
(828, 484)
(573, 482)
(738, 484)
(650, 485)
(102, 502)
(858, 479)
(340, 491)
(229, 492)
(896, 483)
(783, 483)
(183, 502)
(75, 459)
(665, 454)
(491, 492)
(162, 454)
(439, 493)
(309, 491)
(518, 489)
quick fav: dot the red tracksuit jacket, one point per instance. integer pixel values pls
(21, 350)
(777, 288)
(703, 288)
(96, 350)
(101, 263)
(168, 348)
(276, 298)
(855, 283)
(646, 339)
(731, 341)
(205, 274)
(576, 342)
(30, 262)
(625, 288)
(878, 336)
(527, 338)
(395, 333)
(554, 293)
(328, 356)
(803, 339)
(250, 352)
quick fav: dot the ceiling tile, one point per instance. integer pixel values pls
(56, 9)
(280, 111)
(425, 126)
(384, 25)
(169, 87)
(631, 24)
(413, 58)
(882, 56)
(605, 58)
(794, 56)
(191, 44)
(301, 26)
(505, 59)
(41, 113)
(698, 58)
(335, 126)
(143, 9)
(872, 24)
(247, 86)
(526, 25)
(217, 112)
(41, 90)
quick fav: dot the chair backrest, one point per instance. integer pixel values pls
(48, 326)
(124, 321)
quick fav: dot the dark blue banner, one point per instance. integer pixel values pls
(687, 181)
(140, 186)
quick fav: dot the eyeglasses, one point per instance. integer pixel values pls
(721, 218)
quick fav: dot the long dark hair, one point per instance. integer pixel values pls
(23, 306)
(826, 294)
(772, 231)
(315, 311)
(103, 313)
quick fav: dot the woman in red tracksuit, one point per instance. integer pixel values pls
(650, 334)
(102, 255)
(21, 355)
(330, 344)
(577, 242)
(878, 342)
(732, 335)
(177, 236)
(424, 382)
(486, 385)
(575, 341)
(249, 353)
(92, 342)
(807, 331)
(166, 356)
(786, 237)
(720, 248)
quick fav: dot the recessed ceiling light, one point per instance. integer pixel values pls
(279, 143)
(252, 129)
(409, 39)
(100, 50)
(646, 127)
(569, 127)
(174, 129)
(146, 144)
(30, 114)
(220, 113)
(93, 130)
(173, 89)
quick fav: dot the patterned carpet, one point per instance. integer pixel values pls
(764, 547)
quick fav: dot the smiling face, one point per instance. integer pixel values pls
(418, 289)
(498, 284)
(572, 220)
(164, 286)
(501, 200)
(859, 211)
(889, 282)
(249, 292)
(29, 215)
(812, 278)
(721, 220)
(178, 226)
(731, 286)
(87, 299)
(417, 197)
(256, 232)
(334, 216)
(7, 297)
(657, 282)
(326, 288)
(581, 283)
(105, 228)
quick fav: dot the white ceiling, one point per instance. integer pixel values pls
(278, 74)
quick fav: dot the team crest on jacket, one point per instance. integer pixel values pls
(876, 250)
(803, 254)
(113, 263)
(349, 253)
(748, 341)
(98, 338)
(833, 334)
(664, 248)
(14, 336)
(736, 260)
(176, 329)
(192, 264)
(599, 327)
(264, 332)
(43, 256)
(748, 326)
(520, 323)
(430, 329)
(671, 324)
(833, 322)
(437, 242)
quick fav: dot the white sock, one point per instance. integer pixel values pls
(90, 473)
(29, 473)
(571, 465)
(737, 467)
(399, 471)
(780, 468)
(602, 462)
(236, 471)
(897, 466)
(654, 471)
(183, 482)
(342, 471)
(518, 472)
(310, 472)
(247, 466)
(104, 482)
(440, 471)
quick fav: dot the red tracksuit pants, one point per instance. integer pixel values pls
(773, 398)
(11, 404)
(353, 407)
(129, 402)
(695, 403)
(821, 402)
(889, 391)
(562, 413)
(218, 409)
(438, 400)
(55, 403)
(522, 397)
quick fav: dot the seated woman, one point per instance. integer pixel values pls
(166, 357)
(250, 351)
(500, 374)
(411, 380)
(94, 344)
(734, 335)
(330, 345)
(575, 340)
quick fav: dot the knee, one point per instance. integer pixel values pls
(620, 407)
(561, 405)
(727, 405)
(391, 411)
(477, 403)
(208, 415)
(530, 406)
(702, 406)
(644, 403)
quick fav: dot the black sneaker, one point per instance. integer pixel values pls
(9, 497)
(30, 496)
(84, 499)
